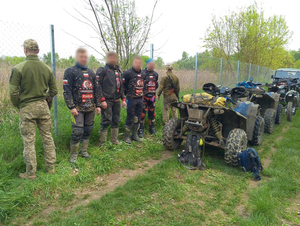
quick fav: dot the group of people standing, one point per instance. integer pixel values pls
(32, 83)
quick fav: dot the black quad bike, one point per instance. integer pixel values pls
(270, 108)
(204, 122)
(286, 85)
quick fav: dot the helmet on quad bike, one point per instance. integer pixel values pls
(211, 88)
(239, 92)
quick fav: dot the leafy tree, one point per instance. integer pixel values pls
(159, 62)
(144, 58)
(94, 63)
(13, 60)
(248, 36)
(118, 28)
(47, 59)
(66, 62)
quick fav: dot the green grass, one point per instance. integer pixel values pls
(167, 194)
(170, 195)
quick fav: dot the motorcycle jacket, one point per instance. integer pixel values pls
(109, 79)
(133, 82)
(81, 89)
(150, 82)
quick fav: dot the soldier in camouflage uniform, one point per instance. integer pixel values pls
(81, 95)
(109, 79)
(169, 92)
(31, 83)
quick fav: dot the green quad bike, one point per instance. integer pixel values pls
(203, 122)
(270, 108)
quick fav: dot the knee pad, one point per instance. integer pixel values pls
(143, 115)
(135, 119)
(77, 133)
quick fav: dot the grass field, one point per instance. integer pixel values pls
(143, 184)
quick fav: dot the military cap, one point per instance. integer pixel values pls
(31, 44)
(169, 67)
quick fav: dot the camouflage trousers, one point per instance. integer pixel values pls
(36, 114)
(166, 109)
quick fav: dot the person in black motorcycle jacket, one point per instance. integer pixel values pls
(82, 96)
(133, 82)
(111, 89)
(149, 98)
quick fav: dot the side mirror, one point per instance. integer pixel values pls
(251, 79)
(272, 76)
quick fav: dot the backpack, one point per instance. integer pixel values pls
(249, 160)
(190, 157)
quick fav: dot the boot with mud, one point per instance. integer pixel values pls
(83, 151)
(114, 132)
(127, 135)
(152, 128)
(135, 128)
(103, 136)
(141, 130)
(73, 152)
(26, 176)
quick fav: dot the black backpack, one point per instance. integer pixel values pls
(249, 161)
(190, 157)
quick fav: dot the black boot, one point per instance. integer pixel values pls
(141, 130)
(135, 128)
(152, 129)
(127, 135)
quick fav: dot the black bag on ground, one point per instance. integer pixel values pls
(249, 161)
(190, 157)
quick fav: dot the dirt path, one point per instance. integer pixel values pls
(103, 185)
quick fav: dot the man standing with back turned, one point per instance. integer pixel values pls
(170, 87)
(81, 95)
(31, 83)
(133, 87)
(109, 79)
(151, 84)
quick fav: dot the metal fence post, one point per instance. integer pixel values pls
(249, 75)
(221, 70)
(54, 72)
(238, 71)
(151, 51)
(196, 71)
(258, 73)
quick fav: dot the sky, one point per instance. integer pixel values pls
(180, 25)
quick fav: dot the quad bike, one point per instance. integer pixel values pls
(210, 122)
(286, 84)
(270, 108)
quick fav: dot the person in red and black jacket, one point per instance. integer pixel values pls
(110, 84)
(149, 98)
(133, 82)
(82, 96)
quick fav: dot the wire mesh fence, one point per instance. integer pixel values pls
(215, 70)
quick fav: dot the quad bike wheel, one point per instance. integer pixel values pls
(279, 114)
(236, 142)
(289, 111)
(171, 129)
(269, 117)
(258, 131)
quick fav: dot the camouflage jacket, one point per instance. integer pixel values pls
(81, 89)
(133, 83)
(31, 81)
(165, 86)
(151, 82)
(110, 82)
